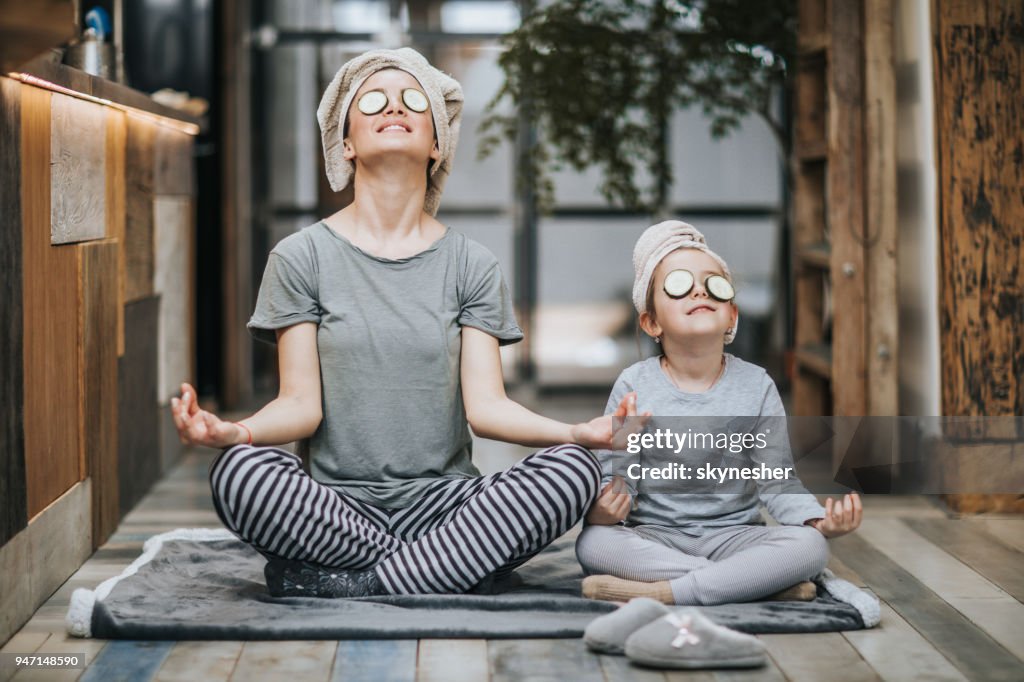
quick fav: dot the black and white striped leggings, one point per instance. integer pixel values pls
(457, 533)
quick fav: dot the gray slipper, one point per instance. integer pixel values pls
(688, 639)
(607, 634)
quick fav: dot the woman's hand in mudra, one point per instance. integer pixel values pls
(609, 432)
(199, 427)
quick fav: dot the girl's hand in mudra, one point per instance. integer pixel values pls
(841, 517)
(612, 504)
(199, 427)
(609, 433)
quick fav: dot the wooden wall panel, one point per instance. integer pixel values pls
(61, 540)
(77, 170)
(138, 429)
(173, 163)
(117, 134)
(979, 68)
(51, 317)
(13, 509)
(16, 604)
(172, 281)
(138, 238)
(40, 558)
(99, 382)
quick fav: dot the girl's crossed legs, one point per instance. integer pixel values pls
(733, 564)
(457, 533)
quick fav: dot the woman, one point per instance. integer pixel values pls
(388, 326)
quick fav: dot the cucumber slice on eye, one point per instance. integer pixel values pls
(719, 288)
(678, 283)
(372, 102)
(415, 100)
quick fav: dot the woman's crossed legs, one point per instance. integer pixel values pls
(457, 533)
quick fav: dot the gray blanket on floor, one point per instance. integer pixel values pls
(196, 584)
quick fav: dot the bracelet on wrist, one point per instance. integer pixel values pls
(247, 430)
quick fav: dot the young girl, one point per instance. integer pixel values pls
(711, 547)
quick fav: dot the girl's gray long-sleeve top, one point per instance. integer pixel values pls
(745, 400)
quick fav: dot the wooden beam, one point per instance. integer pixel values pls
(810, 150)
(236, 207)
(882, 343)
(978, 77)
(811, 94)
(978, 112)
(846, 206)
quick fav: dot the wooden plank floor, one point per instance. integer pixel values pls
(951, 590)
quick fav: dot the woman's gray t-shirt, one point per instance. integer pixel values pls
(389, 340)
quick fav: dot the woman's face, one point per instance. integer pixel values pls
(696, 314)
(395, 129)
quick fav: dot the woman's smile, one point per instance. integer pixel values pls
(394, 127)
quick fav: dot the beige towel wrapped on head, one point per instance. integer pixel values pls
(658, 241)
(443, 91)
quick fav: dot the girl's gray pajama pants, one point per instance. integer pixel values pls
(457, 533)
(718, 566)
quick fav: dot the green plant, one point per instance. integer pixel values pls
(599, 80)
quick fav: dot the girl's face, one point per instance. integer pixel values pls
(395, 129)
(695, 315)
